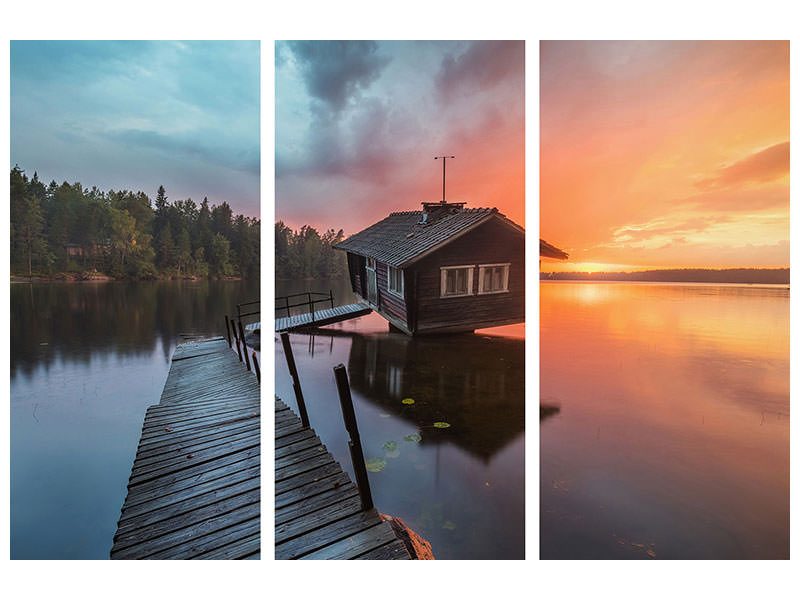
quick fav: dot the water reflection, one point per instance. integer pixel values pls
(474, 383)
(86, 361)
(672, 435)
(460, 487)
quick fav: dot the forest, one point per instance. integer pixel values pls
(770, 276)
(64, 229)
(305, 254)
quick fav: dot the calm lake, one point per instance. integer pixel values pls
(87, 359)
(667, 426)
(461, 488)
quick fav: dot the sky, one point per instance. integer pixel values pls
(136, 115)
(665, 154)
(358, 125)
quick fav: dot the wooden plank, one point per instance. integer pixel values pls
(194, 490)
(395, 550)
(324, 536)
(343, 507)
(356, 544)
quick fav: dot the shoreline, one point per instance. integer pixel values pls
(101, 278)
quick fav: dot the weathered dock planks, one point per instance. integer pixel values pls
(318, 512)
(194, 489)
(322, 317)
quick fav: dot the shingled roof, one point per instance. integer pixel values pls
(550, 251)
(401, 238)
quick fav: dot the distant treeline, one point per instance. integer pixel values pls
(66, 229)
(778, 276)
(307, 254)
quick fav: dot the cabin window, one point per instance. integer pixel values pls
(395, 281)
(493, 279)
(371, 263)
(457, 281)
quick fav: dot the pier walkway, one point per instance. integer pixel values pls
(194, 489)
(318, 512)
(322, 317)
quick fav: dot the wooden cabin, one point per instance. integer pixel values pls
(549, 251)
(442, 269)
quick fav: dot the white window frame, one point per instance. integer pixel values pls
(399, 293)
(506, 277)
(444, 270)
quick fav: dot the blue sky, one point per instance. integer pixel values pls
(136, 115)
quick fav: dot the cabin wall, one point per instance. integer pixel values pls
(489, 243)
(388, 302)
(355, 265)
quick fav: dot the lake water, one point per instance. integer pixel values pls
(462, 487)
(87, 359)
(665, 421)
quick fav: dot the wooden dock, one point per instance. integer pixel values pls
(194, 490)
(318, 512)
(322, 317)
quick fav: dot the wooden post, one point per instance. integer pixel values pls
(311, 306)
(255, 366)
(330, 293)
(236, 338)
(298, 392)
(244, 346)
(228, 331)
(356, 452)
(288, 308)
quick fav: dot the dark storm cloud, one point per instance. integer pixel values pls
(481, 66)
(336, 72)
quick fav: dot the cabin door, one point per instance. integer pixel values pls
(372, 282)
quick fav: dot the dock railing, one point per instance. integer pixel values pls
(348, 415)
(311, 300)
(234, 331)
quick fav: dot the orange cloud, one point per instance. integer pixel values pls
(767, 165)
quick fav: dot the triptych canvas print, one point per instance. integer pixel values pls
(393, 397)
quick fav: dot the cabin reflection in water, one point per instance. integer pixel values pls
(473, 382)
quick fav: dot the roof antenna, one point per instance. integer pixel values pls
(444, 170)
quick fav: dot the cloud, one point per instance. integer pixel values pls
(659, 229)
(336, 72)
(480, 67)
(761, 167)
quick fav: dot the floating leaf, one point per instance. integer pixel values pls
(407, 401)
(375, 464)
(392, 454)
(385, 416)
(414, 437)
(390, 446)
(441, 425)
(449, 525)
(651, 553)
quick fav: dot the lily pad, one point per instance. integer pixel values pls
(441, 425)
(407, 401)
(392, 454)
(414, 437)
(449, 525)
(375, 464)
(386, 416)
(390, 446)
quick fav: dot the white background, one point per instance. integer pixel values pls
(311, 19)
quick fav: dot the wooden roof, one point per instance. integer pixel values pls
(402, 238)
(550, 251)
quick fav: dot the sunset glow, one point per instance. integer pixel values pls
(665, 154)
